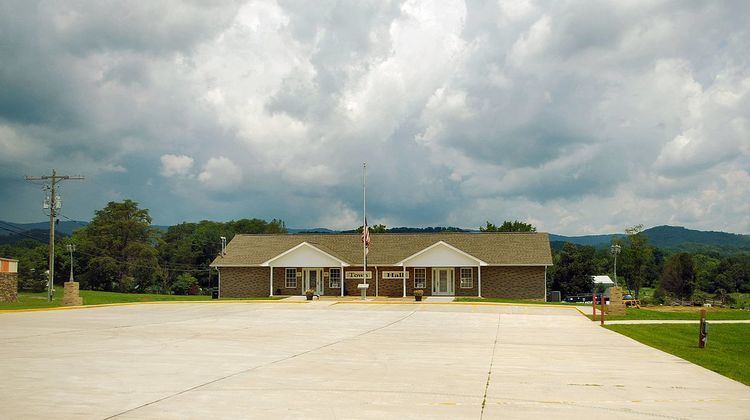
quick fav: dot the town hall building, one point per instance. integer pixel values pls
(503, 265)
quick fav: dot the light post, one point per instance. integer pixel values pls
(615, 249)
(71, 248)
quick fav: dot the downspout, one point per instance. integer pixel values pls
(219, 271)
(545, 283)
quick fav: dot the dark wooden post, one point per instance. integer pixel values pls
(593, 304)
(602, 311)
(702, 330)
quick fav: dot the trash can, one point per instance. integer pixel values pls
(215, 293)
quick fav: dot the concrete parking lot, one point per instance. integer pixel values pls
(345, 360)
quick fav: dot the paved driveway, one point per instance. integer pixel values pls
(347, 360)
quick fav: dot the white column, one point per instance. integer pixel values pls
(404, 279)
(479, 280)
(342, 279)
(271, 280)
(377, 282)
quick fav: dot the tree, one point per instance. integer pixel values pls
(380, 228)
(678, 277)
(573, 270)
(508, 226)
(119, 245)
(638, 257)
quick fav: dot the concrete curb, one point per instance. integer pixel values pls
(155, 302)
(284, 301)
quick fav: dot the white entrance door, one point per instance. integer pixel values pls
(314, 280)
(442, 282)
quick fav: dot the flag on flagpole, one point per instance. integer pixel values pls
(366, 237)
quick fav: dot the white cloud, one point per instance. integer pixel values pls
(176, 165)
(582, 117)
(220, 174)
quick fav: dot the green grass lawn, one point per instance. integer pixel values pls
(91, 297)
(503, 300)
(677, 313)
(727, 351)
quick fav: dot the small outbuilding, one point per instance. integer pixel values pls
(603, 282)
(8, 280)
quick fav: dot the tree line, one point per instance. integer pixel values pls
(120, 251)
(673, 274)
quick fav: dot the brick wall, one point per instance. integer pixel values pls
(469, 291)
(8, 287)
(245, 281)
(513, 282)
(504, 282)
(350, 285)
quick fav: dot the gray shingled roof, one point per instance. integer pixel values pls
(392, 248)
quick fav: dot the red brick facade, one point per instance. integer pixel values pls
(521, 282)
(515, 282)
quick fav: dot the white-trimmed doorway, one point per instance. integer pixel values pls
(313, 279)
(443, 282)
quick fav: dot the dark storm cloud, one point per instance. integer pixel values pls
(576, 116)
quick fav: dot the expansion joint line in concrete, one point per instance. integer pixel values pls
(273, 362)
(489, 371)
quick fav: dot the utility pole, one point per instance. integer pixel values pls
(54, 205)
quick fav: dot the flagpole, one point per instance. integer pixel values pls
(364, 221)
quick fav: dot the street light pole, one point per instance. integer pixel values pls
(71, 248)
(615, 249)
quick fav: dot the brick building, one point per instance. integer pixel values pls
(506, 265)
(8, 280)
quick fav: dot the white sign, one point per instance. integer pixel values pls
(358, 275)
(394, 275)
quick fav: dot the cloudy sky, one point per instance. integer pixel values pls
(579, 116)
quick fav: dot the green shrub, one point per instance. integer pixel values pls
(700, 297)
(660, 296)
(183, 284)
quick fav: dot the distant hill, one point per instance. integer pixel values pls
(63, 226)
(676, 238)
(312, 230)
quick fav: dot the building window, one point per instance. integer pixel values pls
(467, 278)
(420, 278)
(334, 278)
(290, 279)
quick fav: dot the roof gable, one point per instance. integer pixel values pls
(440, 253)
(304, 255)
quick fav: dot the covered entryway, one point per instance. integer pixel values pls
(442, 257)
(443, 282)
(311, 259)
(313, 279)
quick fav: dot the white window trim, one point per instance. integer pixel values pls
(330, 278)
(470, 278)
(287, 278)
(424, 278)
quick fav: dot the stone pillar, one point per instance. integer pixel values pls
(8, 287)
(71, 297)
(616, 305)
